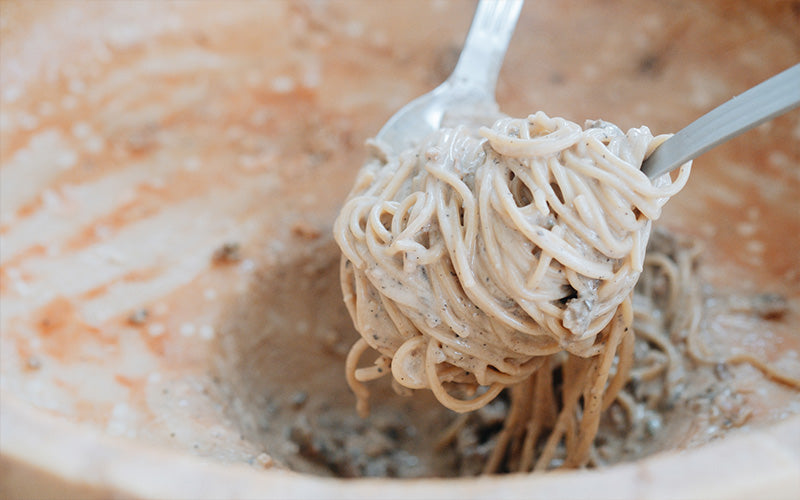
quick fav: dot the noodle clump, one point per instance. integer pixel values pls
(487, 257)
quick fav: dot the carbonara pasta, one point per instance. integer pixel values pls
(488, 256)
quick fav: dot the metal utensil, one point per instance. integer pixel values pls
(765, 101)
(470, 88)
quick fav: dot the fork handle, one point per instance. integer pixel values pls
(482, 56)
(765, 101)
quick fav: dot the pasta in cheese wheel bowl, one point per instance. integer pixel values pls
(217, 283)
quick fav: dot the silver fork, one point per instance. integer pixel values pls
(470, 89)
(765, 101)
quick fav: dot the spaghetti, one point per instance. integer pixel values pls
(490, 258)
